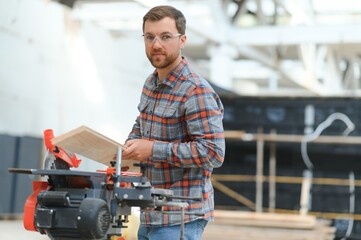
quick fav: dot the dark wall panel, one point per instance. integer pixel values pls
(29, 153)
(7, 159)
(17, 152)
(287, 115)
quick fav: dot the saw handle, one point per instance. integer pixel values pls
(59, 152)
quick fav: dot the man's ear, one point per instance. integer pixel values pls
(183, 40)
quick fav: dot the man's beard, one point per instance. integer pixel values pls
(166, 61)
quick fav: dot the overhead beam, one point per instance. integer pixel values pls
(296, 35)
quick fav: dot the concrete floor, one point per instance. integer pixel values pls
(14, 230)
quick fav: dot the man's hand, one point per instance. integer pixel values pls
(138, 149)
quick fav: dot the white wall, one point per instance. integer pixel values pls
(58, 73)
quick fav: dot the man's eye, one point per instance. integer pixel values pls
(166, 37)
(150, 37)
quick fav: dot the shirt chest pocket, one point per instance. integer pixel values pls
(142, 107)
(164, 112)
(159, 111)
(167, 123)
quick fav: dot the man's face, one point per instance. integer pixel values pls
(163, 43)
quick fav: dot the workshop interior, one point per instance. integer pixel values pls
(288, 73)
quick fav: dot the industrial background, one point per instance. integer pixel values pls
(288, 73)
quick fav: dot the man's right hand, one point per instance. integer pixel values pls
(138, 149)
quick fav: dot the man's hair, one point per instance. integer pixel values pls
(160, 12)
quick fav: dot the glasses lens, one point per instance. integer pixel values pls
(163, 38)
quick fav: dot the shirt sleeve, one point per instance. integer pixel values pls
(206, 147)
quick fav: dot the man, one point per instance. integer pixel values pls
(179, 131)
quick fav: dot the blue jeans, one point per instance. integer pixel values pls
(192, 231)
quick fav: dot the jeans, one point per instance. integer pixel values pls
(192, 231)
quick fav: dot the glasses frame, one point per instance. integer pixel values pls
(159, 37)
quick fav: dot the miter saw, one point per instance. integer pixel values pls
(89, 205)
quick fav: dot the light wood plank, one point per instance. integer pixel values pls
(91, 144)
(272, 220)
(239, 225)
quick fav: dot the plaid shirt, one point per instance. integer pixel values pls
(183, 116)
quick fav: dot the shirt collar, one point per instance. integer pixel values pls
(173, 76)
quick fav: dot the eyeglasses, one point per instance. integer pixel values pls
(163, 38)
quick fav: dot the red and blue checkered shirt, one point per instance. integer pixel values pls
(183, 116)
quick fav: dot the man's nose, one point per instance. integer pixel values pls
(157, 42)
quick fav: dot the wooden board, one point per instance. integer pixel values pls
(90, 144)
(272, 220)
(238, 225)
